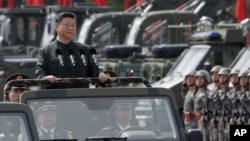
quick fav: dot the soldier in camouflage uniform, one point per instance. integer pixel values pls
(224, 104)
(242, 94)
(188, 105)
(234, 79)
(200, 102)
(215, 77)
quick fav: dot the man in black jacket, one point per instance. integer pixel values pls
(64, 58)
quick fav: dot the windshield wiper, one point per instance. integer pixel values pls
(105, 139)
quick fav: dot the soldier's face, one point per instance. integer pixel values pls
(66, 29)
(190, 80)
(14, 94)
(48, 118)
(234, 78)
(200, 81)
(223, 79)
(243, 81)
(123, 115)
(215, 76)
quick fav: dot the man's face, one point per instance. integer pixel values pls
(243, 81)
(123, 115)
(48, 118)
(215, 76)
(234, 78)
(190, 80)
(200, 81)
(223, 79)
(66, 29)
(15, 94)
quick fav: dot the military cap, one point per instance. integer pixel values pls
(16, 76)
(110, 73)
(122, 104)
(46, 108)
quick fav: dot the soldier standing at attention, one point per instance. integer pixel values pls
(242, 96)
(224, 104)
(200, 102)
(234, 79)
(215, 78)
(65, 58)
(188, 106)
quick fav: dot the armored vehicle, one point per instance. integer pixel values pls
(89, 114)
(17, 123)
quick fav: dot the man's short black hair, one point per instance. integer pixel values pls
(65, 15)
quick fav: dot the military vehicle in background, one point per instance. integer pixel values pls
(155, 112)
(17, 116)
(214, 47)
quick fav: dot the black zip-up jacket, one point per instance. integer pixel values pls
(49, 64)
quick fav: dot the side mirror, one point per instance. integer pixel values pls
(195, 135)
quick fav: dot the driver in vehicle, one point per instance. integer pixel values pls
(123, 113)
(47, 119)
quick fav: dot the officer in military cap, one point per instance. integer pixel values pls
(123, 113)
(12, 92)
(47, 120)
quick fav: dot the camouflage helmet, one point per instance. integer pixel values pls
(191, 73)
(224, 71)
(243, 73)
(205, 74)
(15, 76)
(234, 71)
(215, 68)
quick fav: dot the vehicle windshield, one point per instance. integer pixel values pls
(190, 61)
(13, 126)
(243, 62)
(145, 118)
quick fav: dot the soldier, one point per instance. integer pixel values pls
(47, 119)
(242, 95)
(224, 104)
(123, 113)
(215, 78)
(234, 79)
(188, 105)
(200, 102)
(13, 93)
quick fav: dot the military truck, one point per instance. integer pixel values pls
(86, 112)
(17, 117)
